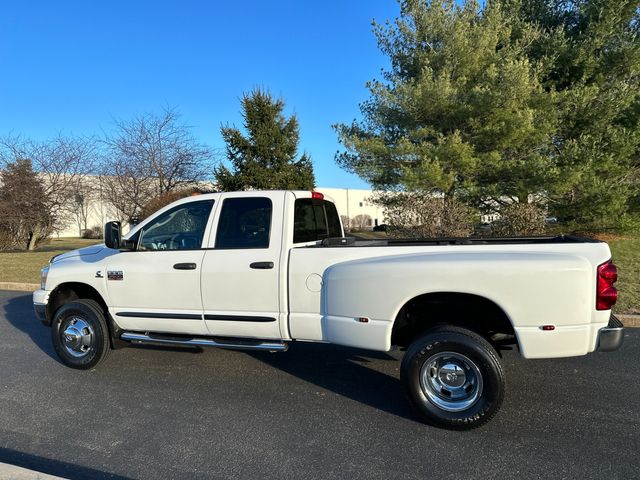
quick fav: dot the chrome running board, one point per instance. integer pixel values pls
(178, 340)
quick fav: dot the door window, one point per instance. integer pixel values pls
(244, 223)
(180, 228)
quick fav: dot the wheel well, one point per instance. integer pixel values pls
(68, 292)
(474, 312)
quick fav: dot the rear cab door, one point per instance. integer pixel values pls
(243, 274)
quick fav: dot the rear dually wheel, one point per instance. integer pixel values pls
(453, 378)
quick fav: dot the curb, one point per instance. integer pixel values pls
(20, 287)
(630, 320)
(18, 473)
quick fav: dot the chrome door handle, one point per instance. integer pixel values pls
(261, 265)
(185, 266)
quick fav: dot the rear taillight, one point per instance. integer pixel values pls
(606, 293)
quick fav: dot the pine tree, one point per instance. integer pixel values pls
(460, 112)
(266, 158)
(511, 101)
(25, 218)
(592, 58)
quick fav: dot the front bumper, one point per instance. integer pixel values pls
(610, 337)
(40, 300)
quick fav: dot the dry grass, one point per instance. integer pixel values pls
(626, 255)
(24, 267)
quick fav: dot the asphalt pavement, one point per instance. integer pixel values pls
(317, 411)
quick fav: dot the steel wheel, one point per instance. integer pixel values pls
(451, 381)
(77, 336)
(453, 378)
(80, 334)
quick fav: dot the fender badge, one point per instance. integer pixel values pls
(99, 274)
(115, 275)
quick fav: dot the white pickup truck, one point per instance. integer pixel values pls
(260, 269)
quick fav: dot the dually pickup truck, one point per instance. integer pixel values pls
(261, 269)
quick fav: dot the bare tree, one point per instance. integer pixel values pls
(424, 215)
(346, 223)
(361, 222)
(84, 195)
(62, 165)
(149, 156)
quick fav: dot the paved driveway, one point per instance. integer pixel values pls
(313, 412)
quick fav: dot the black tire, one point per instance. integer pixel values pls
(88, 342)
(452, 355)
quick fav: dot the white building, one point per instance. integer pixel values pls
(355, 204)
(351, 203)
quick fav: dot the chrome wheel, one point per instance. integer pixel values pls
(451, 381)
(77, 336)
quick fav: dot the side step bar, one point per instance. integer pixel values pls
(233, 343)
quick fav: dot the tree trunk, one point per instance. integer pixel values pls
(33, 239)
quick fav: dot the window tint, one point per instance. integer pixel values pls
(315, 221)
(333, 220)
(180, 228)
(244, 223)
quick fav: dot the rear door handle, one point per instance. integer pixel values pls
(185, 266)
(262, 265)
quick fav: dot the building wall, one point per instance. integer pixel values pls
(349, 202)
(352, 202)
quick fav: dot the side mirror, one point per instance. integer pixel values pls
(112, 235)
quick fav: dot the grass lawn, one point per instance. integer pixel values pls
(24, 267)
(626, 255)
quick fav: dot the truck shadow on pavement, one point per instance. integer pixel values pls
(344, 371)
(19, 312)
(341, 370)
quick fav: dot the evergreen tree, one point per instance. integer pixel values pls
(25, 218)
(512, 101)
(266, 157)
(461, 111)
(592, 55)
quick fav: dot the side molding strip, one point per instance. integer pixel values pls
(193, 316)
(238, 318)
(173, 316)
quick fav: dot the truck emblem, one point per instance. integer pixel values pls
(99, 274)
(115, 275)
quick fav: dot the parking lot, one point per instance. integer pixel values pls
(316, 411)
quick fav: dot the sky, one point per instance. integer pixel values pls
(73, 67)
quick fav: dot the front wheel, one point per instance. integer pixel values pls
(453, 378)
(80, 334)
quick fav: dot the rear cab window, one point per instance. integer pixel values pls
(314, 220)
(245, 223)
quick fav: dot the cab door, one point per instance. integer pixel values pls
(241, 273)
(156, 288)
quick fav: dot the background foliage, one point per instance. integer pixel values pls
(507, 102)
(266, 158)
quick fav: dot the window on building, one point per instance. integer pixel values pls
(244, 223)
